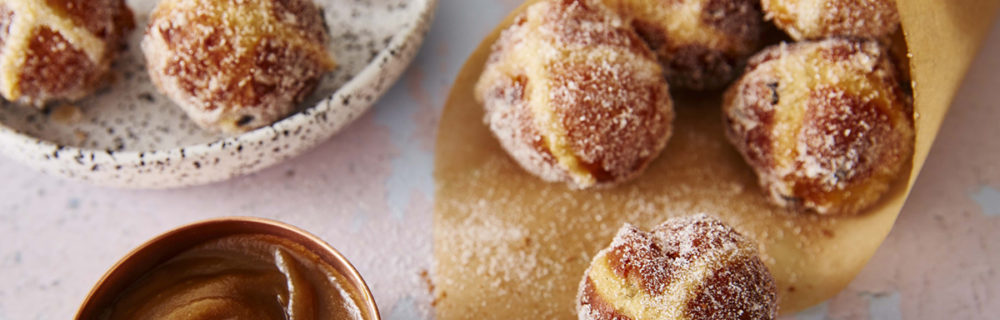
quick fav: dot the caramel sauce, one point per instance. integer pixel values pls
(241, 277)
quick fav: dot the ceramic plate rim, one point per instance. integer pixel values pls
(393, 56)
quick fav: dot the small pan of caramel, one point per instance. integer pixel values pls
(244, 268)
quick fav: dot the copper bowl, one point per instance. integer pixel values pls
(160, 249)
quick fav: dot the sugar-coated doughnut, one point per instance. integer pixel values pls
(574, 95)
(702, 44)
(825, 125)
(690, 268)
(58, 49)
(817, 19)
(236, 66)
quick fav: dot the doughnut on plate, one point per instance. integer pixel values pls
(130, 135)
(510, 246)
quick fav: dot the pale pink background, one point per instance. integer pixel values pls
(368, 191)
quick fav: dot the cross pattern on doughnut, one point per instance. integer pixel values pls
(28, 17)
(249, 21)
(682, 20)
(551, 48)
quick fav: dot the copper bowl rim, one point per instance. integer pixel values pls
(151, 253)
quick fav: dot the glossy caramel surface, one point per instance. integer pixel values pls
(244, 277)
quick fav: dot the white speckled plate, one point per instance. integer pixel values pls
(129, 135)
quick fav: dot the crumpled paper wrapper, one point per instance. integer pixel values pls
(510, 246)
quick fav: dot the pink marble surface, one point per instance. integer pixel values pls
(368, 192)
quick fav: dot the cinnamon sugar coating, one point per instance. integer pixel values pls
(692, 268)
(702, 44)
(574, 95)
(817, 19)
(236, 67)
(58, 49)
(824, 125)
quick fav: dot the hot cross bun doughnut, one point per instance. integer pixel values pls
(58, 49)
(574, 95)
(817, 19)
(236, 66)
(702, 44)
(689, 268)
(825, 125)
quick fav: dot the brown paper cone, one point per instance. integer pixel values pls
(510, 246)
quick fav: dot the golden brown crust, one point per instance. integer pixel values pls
(58, 49)
(701, 43)
(817, 19)
(824, 124)
(235, 68)
(574, 95)
(102, 18)
(508, 114)
(593, 306)
(687, 268)
(54, 65)
(739, 301)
